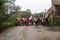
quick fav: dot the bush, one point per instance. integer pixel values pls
(56, 22)
(49, 21)
(6, 24)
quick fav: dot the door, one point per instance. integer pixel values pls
(57, 7)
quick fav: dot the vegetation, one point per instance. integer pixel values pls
(39, 14)
(8, 18)
(57, 22)
(5, 14)
(6, 24)
(26, 13)
(9, 12)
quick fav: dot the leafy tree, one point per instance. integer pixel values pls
(16, 8)
(6, 6)
(28, 10)
(26, 13)
(9, 6)
(38, 14)
(2, 9)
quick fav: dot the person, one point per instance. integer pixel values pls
(27, 21)
(36, 20)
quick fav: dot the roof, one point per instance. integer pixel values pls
(56, 2)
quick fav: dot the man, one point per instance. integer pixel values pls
(36, 20)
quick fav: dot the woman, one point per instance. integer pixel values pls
(27, 21)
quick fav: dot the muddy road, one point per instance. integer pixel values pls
(29, 33)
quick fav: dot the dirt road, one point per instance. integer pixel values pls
(29, 33)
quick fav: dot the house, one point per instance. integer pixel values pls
(54, 11)
(56, 7)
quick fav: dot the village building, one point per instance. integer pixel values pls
(54, 10)
(56, 7)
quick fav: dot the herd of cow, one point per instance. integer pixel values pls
(31, 21)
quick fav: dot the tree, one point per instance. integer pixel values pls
(2, 9)
(2, 6)
(26, 13)
(16, 8)
(9, 6)
(28, 10)
(38, 14)
(6, 6)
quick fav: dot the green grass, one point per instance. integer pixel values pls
(56, 22)
(6, 24)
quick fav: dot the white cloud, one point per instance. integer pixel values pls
(34, 5)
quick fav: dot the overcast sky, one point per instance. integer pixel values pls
(34, 5)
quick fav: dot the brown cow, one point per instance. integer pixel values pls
(18, 21)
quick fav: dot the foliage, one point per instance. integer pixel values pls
(9, 6)
(2, 7)
(26, 13)
(4, 16)
(57, 21)
(39, 14)
(16, 8)
(6, 24)
(49, 21)
(53, 12)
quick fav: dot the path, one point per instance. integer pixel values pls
(29, 33)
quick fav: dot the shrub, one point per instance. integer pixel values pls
(6, 24)
(49, 21)
(57, 22)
